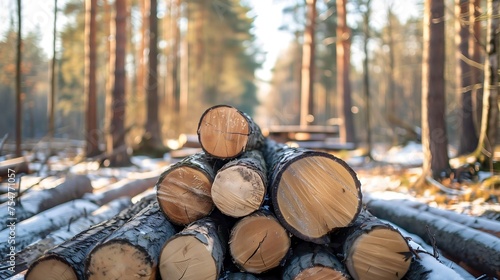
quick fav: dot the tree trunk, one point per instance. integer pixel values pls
(478, 250)
(343, 66)
(39, 226)
(366, 75)
(69, 256)
(225, 132)
(90, 84)
(434, 136)
(239, 188)
(372, 249)
(52, 97)
(119, 156)
(314, 262)
(258, 242)
(312, 192)
(183, 190)
(15, 166)
(307, 74)
(19, 93)
(34, 202)
(133, 250)
(475, 53)
(28, 255)
(197, 252)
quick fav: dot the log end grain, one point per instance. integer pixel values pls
(315, 194)
(120, 260)
(224, 132)
(320, 273)
(238, 191)
(258, 243)
(50, 268)
(381, 253)
(184, 195)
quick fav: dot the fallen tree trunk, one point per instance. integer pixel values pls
(240, 185)
(123, 188)
(312, 192)
(225, 132)
(34, 202)
(183, 190)
(197, 252)
(133, 250)
(14, 166)
(38, 227)
(258, 242)
(372, 249)
(477, 249)
(69, 256)
(29, 254)
(482, 224)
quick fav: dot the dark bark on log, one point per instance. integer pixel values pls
(133, 250)
(312, 192)
(372, 249)
(29, 254)
(124, 188)
(225, 132)
(39, 226)
(73, 252)
(16, 166)
(184, 189)
(477, 249)
(238, 276)
(258, 242)
(240, 185)
(197, 252)
(309, 260)
(32, 203)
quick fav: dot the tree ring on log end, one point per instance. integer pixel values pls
(120, 260)
(258, 243)
(320, 273)
(364, 261)
(223, 132)
(184, 195)
(186, 257)
(238, 191)
(316, 194)
(50, 268)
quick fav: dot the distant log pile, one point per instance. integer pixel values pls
(245, 207)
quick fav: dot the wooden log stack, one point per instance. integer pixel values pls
(245, 207)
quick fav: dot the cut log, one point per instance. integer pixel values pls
(197, 252)
(133, 250)
(311, 261)
(29, 254)
(69, 257)
(123, 188)
(183, 190)
(240, 185)
(39, 226)
(32, 203)
(15, 166)
(225, 132)
(372, 249)
(479, 250)
(482, 224)
(312, 192)
(258, 242)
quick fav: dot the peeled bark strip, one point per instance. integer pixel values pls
(183, 190)
(258, 242)
(132, 251)
(69, 257)
(39, 226)
(372, 249)
(240, 185)
(29, 254)
(311, 261)
(479, 250)
(225, 132)
(197, 252)
(312, 192)
(34, 202)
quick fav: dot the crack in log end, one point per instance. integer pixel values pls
(257, 249)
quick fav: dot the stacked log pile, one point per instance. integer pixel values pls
(245, 207)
